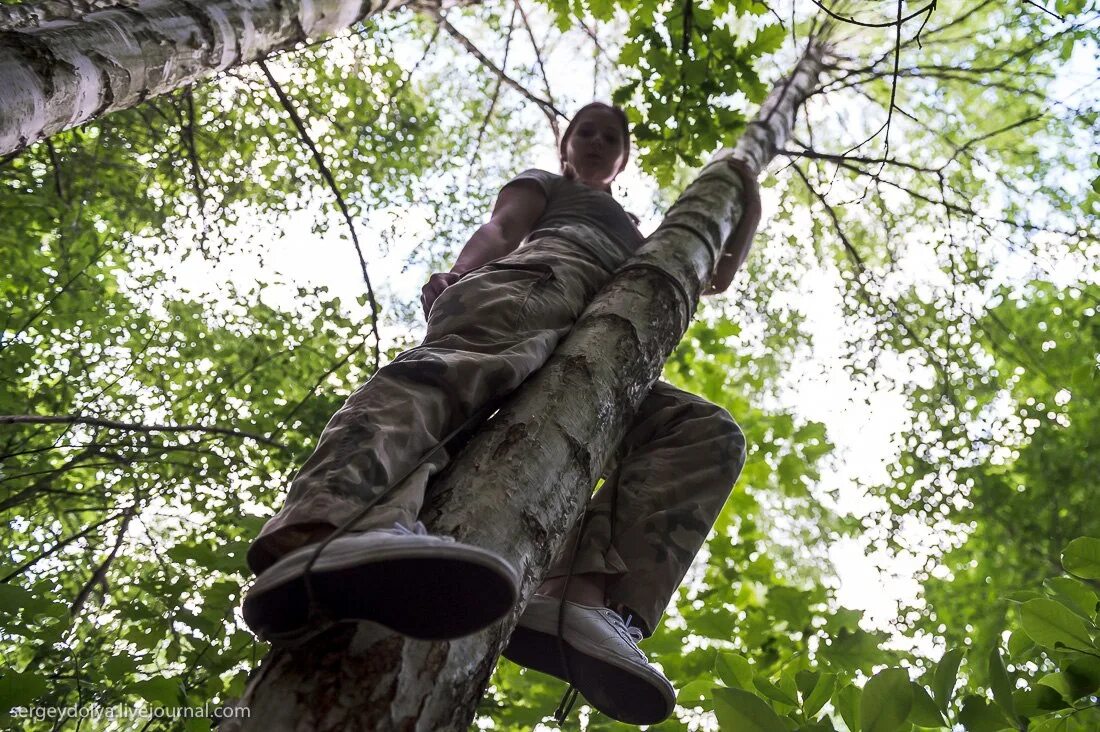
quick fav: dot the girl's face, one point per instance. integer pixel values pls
(596, 147)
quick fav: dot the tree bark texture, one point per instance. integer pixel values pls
(522, 481)
(59, 69)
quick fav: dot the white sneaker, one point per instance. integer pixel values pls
(420, 585)
(602, 659)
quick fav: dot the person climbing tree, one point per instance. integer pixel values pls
(348, 545)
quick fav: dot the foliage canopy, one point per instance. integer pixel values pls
(943, 192)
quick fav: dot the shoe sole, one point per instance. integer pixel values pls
(612, 690)
(411, 590)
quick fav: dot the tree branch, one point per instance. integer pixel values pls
(133, 427)
(56, 547)
(285, 419)
(331, 181)
(187, 137)
(852, 21)
(810, 153)
(496, 88)
(99, 576)
(546, 106)
(1048, 12)
(542, 70)
(887, 303)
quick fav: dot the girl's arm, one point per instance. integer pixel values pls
(518, 206)
(736, 250)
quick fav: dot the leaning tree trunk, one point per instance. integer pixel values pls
(60, 69)
(532, 467)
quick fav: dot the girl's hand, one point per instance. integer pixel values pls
(723, 276)
(435, 286)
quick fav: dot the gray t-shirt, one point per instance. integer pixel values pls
(588, 217)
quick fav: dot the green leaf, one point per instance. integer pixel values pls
(119, 668)
(754, 89)
(740, 710)
(847, 702)
(1074, 594)
(1037, 701)
(924, 712)
(773, 692)
(1066, 49)
(14, 598)
(854, 650)
(1082, 557)
(841, 619)
(946, 676)
(887, 699)
(734, 670)
(1083, 674)
(160, 691)
(978, 715)
(1019, 644)
(825, 725)
(16, 689)
(806, 681)
(601, 9)
(999, 683)
(768, 40)
(696, 691)
(1069, 7)
(1059, 683)
(1051, 624)
(788, 603)
(623, 94)
(822, 692)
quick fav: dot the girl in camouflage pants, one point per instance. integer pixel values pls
(516, 289)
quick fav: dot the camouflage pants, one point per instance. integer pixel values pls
(486, 334)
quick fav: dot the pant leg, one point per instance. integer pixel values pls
(486, 333)
(673, 472)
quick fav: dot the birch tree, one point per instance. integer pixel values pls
(58, 72)
(535, 464)
(146, 435)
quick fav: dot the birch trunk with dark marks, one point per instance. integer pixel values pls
(523, 480)
(66, 62)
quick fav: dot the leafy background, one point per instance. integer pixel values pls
(956, 247)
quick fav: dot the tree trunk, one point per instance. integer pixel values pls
(533, 466)
(59, 69)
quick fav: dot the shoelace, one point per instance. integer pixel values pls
(418, 529)
(635, 633)
(570, 697)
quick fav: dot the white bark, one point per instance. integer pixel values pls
(523, 479)
(60, 68)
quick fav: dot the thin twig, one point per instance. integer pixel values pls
(546, 106)
(331, 181)
(888, 304)
(55, 548)
(542, 70)
(810, 153)
(1048, 12)
(71, 419)
(894, 81)
(496, 88)
(285, 419)
(56, 162)
(853, 21)
(187, 135)
(99, 576)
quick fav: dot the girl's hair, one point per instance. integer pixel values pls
(567, 169)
